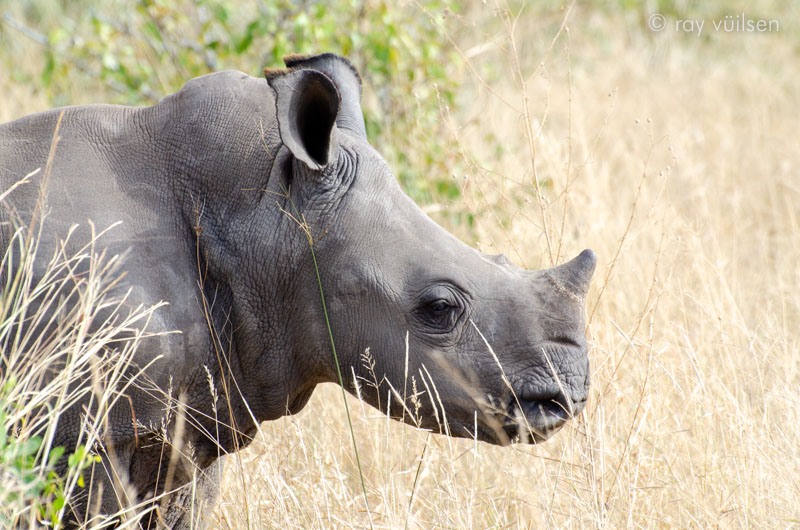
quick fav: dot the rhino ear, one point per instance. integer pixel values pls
(306, 103)
(345, 76)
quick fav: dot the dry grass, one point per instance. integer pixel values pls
(675, 159)
(55, 369)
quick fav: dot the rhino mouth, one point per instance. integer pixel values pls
(532, 419)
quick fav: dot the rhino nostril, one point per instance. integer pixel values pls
(566, 341)
(549, 403)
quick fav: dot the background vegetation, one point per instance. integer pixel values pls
(136, 52)
(535, 129)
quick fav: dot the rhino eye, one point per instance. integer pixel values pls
(439, 306)
(439, 310)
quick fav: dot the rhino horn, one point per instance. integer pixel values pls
(576, 274)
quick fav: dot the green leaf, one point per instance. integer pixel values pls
(49, 68)
(151, 28)
(58, 503)
(55, 455)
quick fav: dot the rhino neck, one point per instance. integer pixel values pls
(222, 151)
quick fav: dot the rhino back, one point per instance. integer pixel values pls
(156, 171)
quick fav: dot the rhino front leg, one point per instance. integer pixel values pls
(189, 507)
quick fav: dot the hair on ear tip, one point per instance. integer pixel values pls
(298, 61)
(272, 73)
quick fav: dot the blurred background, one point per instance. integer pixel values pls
(661, 134)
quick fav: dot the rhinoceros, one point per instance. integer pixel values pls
(244, 202)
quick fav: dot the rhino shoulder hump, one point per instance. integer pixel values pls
(220, 91)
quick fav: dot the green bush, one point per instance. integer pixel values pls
(140, 54)
(32, 490)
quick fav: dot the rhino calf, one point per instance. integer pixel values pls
(244, 176)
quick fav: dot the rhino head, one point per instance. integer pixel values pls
(492, 351)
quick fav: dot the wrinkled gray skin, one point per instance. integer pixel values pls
(220, 155)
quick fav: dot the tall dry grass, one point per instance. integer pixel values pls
(67, 342)
(675, 159)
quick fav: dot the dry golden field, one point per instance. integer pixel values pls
(675, 157)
